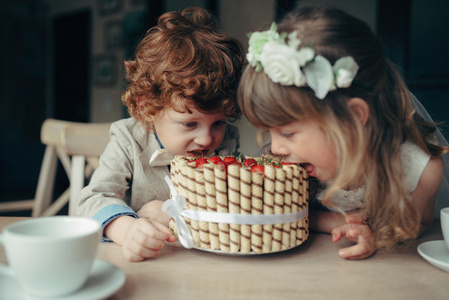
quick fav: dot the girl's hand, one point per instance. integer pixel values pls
(144, 239)
(358, 232)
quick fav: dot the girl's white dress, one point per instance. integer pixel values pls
(413, 161)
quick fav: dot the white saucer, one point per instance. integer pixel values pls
(105, 279)
(436, 253)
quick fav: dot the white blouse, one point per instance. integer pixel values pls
(413, 161)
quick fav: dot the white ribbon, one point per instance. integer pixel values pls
(174, 208)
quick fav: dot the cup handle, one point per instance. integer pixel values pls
(4, 268)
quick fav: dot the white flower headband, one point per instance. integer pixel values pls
(284, 64)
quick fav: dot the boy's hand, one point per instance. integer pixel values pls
(145, 239)
(358, 232)
(152, 210)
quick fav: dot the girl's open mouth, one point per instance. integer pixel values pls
(310, 169)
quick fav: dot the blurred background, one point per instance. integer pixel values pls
(63, 59)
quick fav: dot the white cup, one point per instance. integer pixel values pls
(50, 256)
(444, 218)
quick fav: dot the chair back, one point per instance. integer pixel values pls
(84, 143)
(78, 147)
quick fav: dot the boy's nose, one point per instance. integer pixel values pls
(204, 139)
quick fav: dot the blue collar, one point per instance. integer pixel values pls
(157, 138)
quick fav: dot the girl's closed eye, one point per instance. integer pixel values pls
(286, 134)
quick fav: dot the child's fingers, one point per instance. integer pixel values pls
(360, 234)
(163, 228)
(355, 219)
(358, 251)
(135, 251)
(339, 232)
(145, 239)
(153, 230)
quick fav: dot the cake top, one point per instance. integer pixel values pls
(256, 164)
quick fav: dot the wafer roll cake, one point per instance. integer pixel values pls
(245, 209)
(268, 206)
(221, 195)
(234, 204)
(191, 187)
(256, 209)
(251, 186)
(211, 201)
(202, 206)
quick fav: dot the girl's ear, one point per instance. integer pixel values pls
(360, 108)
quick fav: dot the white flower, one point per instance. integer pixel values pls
(319, 76)
(305, 55)
(279, 57)
(257, 41)
(345, 70)
(280, 63)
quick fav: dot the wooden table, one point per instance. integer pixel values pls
(311, 271)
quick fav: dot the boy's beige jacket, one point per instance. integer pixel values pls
(125, 177)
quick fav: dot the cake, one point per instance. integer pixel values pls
(245, 196)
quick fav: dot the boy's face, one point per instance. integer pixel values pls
(195, 134)
(305, 142)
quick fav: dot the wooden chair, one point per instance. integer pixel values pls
(78, 147)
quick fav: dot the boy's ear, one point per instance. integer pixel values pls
(360, 108)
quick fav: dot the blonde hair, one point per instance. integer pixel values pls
(184, 62)
(367, 154)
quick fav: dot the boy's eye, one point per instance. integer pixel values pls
(220, 123)
(191, 124)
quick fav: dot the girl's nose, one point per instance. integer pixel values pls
(277, 148)
(204, 138)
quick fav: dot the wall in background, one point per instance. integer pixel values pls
(418, 45)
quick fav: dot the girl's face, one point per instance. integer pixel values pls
(195, 134)
(305, 142)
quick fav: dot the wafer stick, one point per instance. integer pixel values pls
(279, 189)
(191, 186)
(256, 209)
(234, 204)
(222, 206)
(202, 206)
(182, 188)
(301, 230)
(245, 209)
(268, 206)
(287, 206)
(294, 231)
(305, 203)
(209, 180)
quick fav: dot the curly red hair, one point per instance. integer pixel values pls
(184, 62)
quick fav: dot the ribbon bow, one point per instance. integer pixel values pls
(173, 208)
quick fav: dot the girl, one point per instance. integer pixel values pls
(181, 93)
(320, 83)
